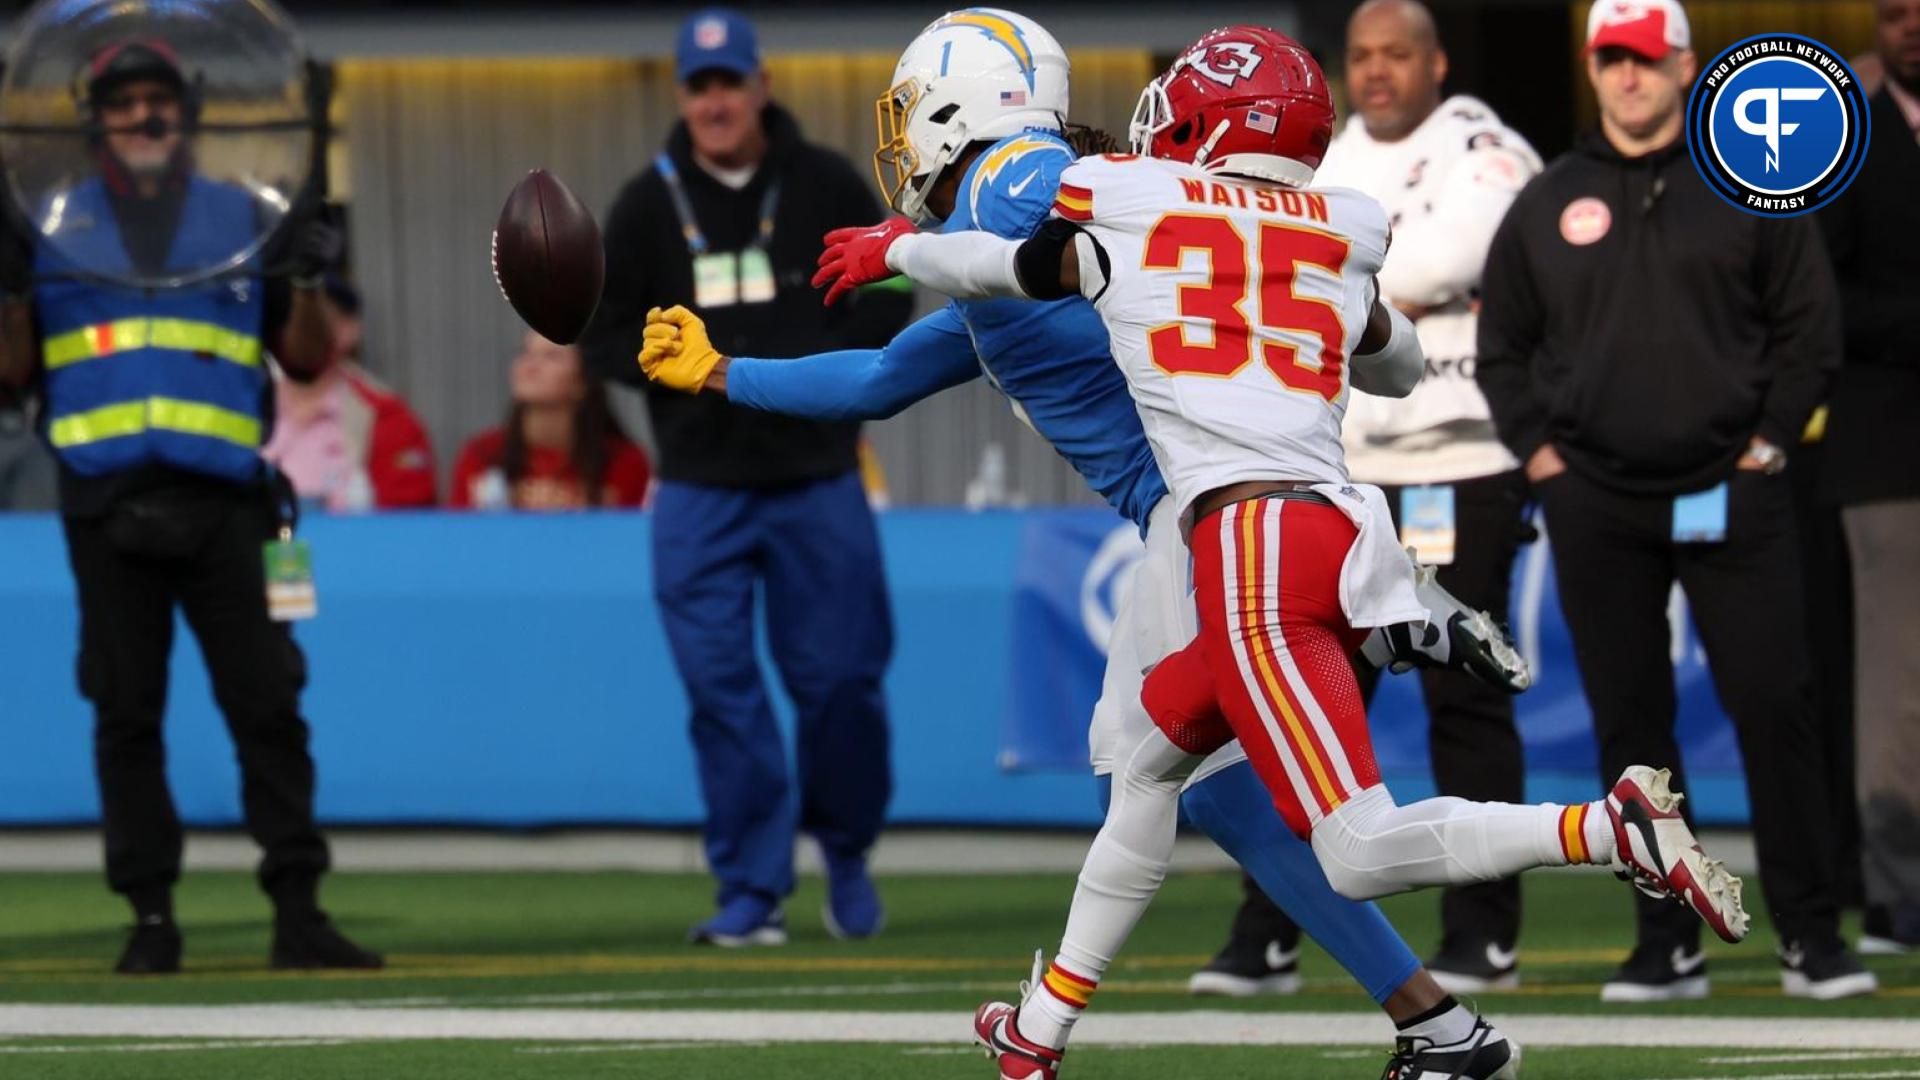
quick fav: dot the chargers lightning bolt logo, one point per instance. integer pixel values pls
(998, 29)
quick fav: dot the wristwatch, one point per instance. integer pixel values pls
(1772, 459)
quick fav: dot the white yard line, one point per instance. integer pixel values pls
(716, 993)
(1783, 1059)
(1902, 1075)
(163, 1047)
(921, 1028)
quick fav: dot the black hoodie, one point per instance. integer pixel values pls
(705, 439)
(1648, 329)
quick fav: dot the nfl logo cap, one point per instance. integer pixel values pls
(1649, 28)
(716, 39)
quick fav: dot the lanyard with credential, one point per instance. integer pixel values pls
(690, 227)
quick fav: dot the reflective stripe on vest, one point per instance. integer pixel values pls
(126, 335)
(154, 414)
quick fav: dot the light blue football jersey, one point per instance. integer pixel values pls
(1052, 359)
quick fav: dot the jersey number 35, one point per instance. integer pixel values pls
(1219, 301)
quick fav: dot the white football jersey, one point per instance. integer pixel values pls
(1233, 308)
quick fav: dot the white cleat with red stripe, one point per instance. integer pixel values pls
(996, 1028)
(1657, 852)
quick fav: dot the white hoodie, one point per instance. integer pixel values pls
(1445, 187)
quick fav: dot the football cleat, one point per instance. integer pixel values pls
(996, 1029)
(1454, 636)
(1657, 852)
(1484, 1055)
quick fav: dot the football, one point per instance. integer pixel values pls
(547, 257)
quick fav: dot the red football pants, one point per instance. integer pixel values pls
(1270, 666)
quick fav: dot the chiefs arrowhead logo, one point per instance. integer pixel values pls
(1225, 62)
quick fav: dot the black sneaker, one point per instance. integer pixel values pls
(152, 949)
(1886, 931)
(1659, 973)
(312, 941)
(1485, 1055)
(1475, 967)
(1246, 967)
(1823, 973)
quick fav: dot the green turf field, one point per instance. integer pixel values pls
(568, 975)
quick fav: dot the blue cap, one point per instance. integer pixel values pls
(717, 38)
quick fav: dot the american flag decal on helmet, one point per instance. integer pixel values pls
(1013, 97)
(1264, 122)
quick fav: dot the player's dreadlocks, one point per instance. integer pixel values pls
(1087, 141)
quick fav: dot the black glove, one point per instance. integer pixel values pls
(315, 249)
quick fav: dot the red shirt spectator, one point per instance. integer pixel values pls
(343, 438)
(560, 449)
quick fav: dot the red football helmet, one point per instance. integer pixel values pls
(1242, 99)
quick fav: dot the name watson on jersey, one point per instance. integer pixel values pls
(1293, 203)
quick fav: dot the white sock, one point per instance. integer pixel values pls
(1446, 1024)
(1585, 833)
(1369, 847)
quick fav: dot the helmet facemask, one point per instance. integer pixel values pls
(915, 146)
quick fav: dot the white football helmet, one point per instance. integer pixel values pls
(972, 75)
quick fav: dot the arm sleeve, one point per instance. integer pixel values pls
(967, 265)
(1396, 368)
(1802, 309)
(1440, 256)
(1511, 326)
(860, 384)
(612, 340)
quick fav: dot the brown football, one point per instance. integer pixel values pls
(547, 257)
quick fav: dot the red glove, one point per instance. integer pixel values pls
(857, 256)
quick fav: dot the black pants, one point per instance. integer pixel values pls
(1616, 563)
(1474, 745)
(1829, 591)
(202, 552)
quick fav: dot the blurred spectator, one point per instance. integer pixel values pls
(26, 469)
(1873, 472)
(1446, 171)
(165, 501)
(729, 220)
(346, 441)
(1651, 352)
(560, 449)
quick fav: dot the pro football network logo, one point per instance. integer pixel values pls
(1777, 125)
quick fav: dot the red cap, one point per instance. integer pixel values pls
(1650, 28)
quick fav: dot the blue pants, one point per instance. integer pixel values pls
(1235, 811)
(815, 555)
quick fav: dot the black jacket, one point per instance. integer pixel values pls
(705, 439)
(1650, 356)
(1873, 233)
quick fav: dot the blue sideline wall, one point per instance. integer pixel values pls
(511, 671)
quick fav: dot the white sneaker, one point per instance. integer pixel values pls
(1654, 973)
(1245, 969)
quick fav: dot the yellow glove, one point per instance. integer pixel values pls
(676, 352)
